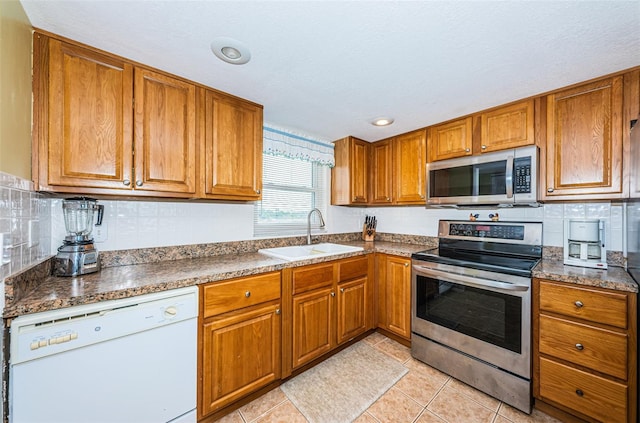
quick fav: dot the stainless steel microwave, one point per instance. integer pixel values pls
(500, 179)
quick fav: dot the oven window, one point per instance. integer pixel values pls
(486, 315)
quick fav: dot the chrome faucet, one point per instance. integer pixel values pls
(309, 224)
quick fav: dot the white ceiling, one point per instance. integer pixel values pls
(327, 68)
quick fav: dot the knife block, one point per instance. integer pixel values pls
(368, 234)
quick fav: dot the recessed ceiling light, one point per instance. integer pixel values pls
(230, 50)
(383, 121)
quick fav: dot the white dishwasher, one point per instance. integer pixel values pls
(129, 360)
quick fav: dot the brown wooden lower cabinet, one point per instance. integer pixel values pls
(585, 351)
(240, 349)
(394, 294)
(332, 304)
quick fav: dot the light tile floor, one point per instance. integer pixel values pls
(423, 395)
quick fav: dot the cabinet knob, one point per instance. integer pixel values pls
(342, 290)
(388, 199)
(468, 149)
(277, 311)
(126, 182)
(549, 189)
(579, 392)
(422, 196)
(138, 183)
(579, 304)
(579, 347)
(484, 147)
(406, 265)
(247, 294)
(333, 294)
(257, 191)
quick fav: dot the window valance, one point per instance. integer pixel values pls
(283, 142)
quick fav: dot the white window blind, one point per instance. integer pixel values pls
(291, 188)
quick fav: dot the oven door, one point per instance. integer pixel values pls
(486, 315)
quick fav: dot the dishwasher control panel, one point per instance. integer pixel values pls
(37, 335)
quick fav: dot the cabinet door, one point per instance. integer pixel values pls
(381, 177)
(507, 127)
(352, 306)
(410, 161)
(359, 171)
(449, 140)
(89, 119)
(584, 142)
(233, 148)
(394, 295)
(165, 140)
(312, 325)
(240, 353)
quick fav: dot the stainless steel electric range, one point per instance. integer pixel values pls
(471, 305)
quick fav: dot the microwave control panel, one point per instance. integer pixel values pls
(522, 175)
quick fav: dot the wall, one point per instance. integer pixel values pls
(15, 90)
(143, 224)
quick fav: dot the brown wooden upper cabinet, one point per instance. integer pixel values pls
(382, 174)
(399, 169)
(350, 175)
(164, 133)
(232, 159)
(492, 130)
(410, 167)
(83, 131)
(103, 125)
(451, 139)
(584, 146)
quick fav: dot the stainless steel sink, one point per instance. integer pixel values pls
(305, 252)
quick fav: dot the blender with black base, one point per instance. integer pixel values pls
(78, 255)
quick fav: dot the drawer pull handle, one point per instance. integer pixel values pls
(579, 392)
(579, 347)
(579, 304)
(247, 294)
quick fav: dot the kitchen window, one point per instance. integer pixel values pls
(290, 189)
(292, 185)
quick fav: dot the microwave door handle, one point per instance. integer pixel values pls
(469, 281)
(508, 177)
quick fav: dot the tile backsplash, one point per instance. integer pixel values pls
(32, 225)
(25, 225)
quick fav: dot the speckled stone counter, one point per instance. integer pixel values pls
(615, 278)
(50, 293)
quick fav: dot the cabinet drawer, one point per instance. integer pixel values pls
(239, 293)
(312, 277)
(598, 349)
(588, 394)
(606, 307)
(355, 268)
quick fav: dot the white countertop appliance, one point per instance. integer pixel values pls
(584, 243)
(130, 360)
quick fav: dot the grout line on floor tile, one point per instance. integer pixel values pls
(266, 412)
(473, 399)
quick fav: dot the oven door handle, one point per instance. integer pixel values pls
(468, 280)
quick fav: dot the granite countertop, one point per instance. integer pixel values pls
(125, 281)
(615, 278)
(46, 293)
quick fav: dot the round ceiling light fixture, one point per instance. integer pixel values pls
(230, 50)
(382, 121)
